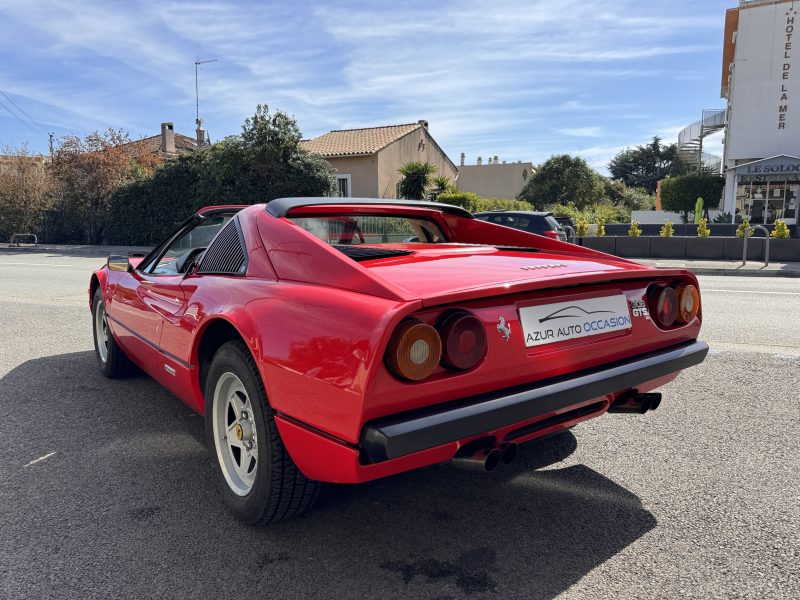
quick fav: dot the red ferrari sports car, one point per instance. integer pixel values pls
(343, 340)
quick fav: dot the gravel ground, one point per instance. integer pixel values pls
(698, 499)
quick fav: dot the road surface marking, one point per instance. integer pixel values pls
(704, 290)
(40, 459)
(24, 264)
(774, 349)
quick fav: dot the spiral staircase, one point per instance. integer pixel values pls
(690, 141)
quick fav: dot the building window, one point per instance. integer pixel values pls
(524, 174)
(343, 186)
(763, 199)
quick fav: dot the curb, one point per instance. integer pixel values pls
(738, 273)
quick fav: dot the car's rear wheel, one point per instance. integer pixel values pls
(111, 358)
(260, 482)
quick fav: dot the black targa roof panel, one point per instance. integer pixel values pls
(280, 207)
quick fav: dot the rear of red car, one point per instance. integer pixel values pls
(492, 346)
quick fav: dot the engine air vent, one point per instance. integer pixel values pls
(359, 253)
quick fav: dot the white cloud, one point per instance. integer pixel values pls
(593, 131)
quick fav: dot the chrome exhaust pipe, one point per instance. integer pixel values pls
(508, 452)
(483, 459)
(635, 403)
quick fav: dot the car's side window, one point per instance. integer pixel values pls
(185, 249)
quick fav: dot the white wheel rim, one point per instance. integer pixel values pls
(101, 332)
(235, 434)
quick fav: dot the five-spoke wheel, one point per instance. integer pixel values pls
(235, 435)
(260, 482)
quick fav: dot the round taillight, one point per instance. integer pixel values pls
(688, 302)
(463, 341)
(665, 302)
(414, 350)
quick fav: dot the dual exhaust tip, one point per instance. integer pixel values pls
(484, 459)
(481, 455)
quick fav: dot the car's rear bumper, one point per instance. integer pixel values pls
(412, 440)
(404, 434)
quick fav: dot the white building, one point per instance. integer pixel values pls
(761, 82)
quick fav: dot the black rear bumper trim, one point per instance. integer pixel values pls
(406, 433)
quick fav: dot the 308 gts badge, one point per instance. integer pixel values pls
(505, 330)
(639, 309)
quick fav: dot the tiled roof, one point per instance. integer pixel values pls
(354, 142)
(183, 143)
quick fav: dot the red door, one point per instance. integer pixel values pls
(139, 306)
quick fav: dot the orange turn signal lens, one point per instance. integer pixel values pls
(414, 350)
(688, 303)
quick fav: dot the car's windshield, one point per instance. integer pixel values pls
(371, 229)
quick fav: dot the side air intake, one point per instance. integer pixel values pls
(226, 254)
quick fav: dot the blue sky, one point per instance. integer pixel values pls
(518, 79)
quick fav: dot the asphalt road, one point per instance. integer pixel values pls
(106, 492)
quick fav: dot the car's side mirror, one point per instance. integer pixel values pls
(119, 263)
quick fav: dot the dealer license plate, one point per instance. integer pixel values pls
(551, 323)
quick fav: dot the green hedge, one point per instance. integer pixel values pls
(607, 211)
(679, 194)
(145, 212)
(474, 203)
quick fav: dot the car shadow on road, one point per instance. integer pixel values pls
(129, 492)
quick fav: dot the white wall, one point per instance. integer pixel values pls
(758, 84)
(654, 217)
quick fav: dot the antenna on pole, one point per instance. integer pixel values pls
(200, 132)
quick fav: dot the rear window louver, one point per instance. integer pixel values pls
(359, 253)
(226, 254)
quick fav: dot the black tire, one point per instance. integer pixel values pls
(279, 491)
(115, 364)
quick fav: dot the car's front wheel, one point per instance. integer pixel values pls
(111, 358)
(260, 482)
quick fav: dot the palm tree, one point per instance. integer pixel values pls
(441, 185)
(417, 178)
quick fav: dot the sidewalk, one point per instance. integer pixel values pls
(75, 250)
(753, 268)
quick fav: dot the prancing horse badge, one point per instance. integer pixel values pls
(505, 330)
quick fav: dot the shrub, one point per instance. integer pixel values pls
(667, 230)
(723, 218)
(781, 230)
(702, 229)
(474, 203)
(634, 230)
(581, 227)
(679, 194)
(608, 211)
(744, 226)
(601, 227)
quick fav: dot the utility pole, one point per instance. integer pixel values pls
(200, 133)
